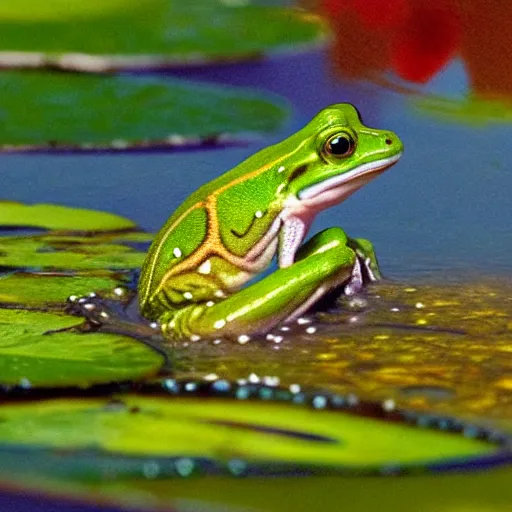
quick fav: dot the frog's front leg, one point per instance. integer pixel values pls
(322, 263)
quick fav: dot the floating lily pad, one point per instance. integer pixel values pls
(153, 33)
(32, 356)
(37, 253)
(43, 110)
(43, 291)
(237, 437)
(60, 218)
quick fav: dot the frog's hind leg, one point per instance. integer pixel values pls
(322, 263)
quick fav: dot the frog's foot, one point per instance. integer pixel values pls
(356, 282)
(369, 266)
(364, 272)
(116, 313)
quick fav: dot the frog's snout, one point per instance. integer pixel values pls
(393, 142)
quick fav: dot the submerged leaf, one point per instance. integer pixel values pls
(153, 33)
(42, 110)
(478, 491)
(33, 356)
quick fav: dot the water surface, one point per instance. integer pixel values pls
(444, 207)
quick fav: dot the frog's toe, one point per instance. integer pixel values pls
(365, 253)
(113, 314)
(95, 309)
(370, 270)
(356, 282)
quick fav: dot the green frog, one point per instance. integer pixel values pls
(229, 230)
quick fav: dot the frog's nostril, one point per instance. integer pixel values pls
(389, 141)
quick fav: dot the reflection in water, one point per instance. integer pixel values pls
(414, 39)
(417, 39)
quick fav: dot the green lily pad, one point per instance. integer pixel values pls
(35, 290)
(153, 33)
(60, 218)
(33, 356)
(234, 434)
(38, 253)
(42, 111)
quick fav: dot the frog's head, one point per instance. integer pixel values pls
(335, 155)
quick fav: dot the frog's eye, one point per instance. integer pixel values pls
(340, 145)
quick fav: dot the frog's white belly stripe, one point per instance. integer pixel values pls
(353, 176)
(298, 213)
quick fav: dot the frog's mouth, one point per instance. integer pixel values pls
(338, 188)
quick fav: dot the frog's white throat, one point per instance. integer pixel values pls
(298, 212)
(339, 187)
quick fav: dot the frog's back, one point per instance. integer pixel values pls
(182, 234)
(187, 228)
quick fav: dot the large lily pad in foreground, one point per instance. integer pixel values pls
(146, 34)
(43, 110)
(183, 436)
(33, 353)
(127, 449)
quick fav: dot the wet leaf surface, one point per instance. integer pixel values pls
(77, 253)
(34, 353)
(120, 112)
(50, 291)
(126, 446)
(153, 34)
(270, 437)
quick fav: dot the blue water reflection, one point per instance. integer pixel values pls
(445, 207)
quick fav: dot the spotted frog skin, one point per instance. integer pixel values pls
(230, 229)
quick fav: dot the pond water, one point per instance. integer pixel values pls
(445, 207)
(443, 212)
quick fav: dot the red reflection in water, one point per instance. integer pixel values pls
(427, 42)
(413, 38)
(417, 38)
